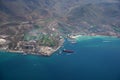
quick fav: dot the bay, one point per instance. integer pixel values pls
(94, 58)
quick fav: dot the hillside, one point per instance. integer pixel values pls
(71, 16)
(96, 18)
(34, 9)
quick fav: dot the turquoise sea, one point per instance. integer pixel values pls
(94, 58)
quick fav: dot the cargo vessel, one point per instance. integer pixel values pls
(68, 51)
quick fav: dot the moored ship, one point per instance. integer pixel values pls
(68, 51)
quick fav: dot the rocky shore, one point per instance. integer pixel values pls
(30, 47)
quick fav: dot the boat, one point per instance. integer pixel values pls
(68, 51)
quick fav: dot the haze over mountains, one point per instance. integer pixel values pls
(71, 16)
(42, 7)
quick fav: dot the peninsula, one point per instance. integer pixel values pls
(30, 37)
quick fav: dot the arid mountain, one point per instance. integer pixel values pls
(32, 9)
(26, 9)
(83, 16)
(99, 18)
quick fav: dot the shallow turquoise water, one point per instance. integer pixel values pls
(96, 58)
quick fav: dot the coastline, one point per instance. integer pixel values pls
(46, 53)
(80, 37)
(53, 50)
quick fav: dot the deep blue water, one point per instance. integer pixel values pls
(94, 59)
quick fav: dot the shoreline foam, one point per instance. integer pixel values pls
(88, 37)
